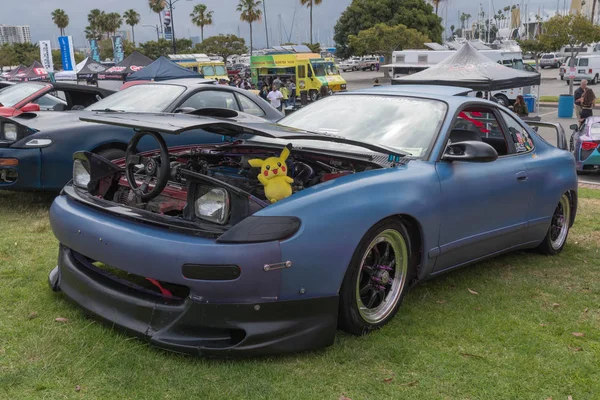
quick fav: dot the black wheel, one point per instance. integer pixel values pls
(112, 154)
(372, 67)
(595, 80)
(502, 100)
(354, 69)
(313, 95)
(558, 232)
(377, 279)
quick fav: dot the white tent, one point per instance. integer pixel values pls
(69, 75)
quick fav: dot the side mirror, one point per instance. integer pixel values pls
(30, 107)
(470, 151)
(574, 127)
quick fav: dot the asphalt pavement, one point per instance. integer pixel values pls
(551, 86)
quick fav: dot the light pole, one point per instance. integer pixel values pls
(154, 27)
(171, 2)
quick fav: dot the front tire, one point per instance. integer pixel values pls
(313, 95)
(377, 279)
(502, 100)
(556, 238)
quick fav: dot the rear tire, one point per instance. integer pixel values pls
(595, 80)
(502, 100)
(372, 67)
(112, 154)
(381, 269)
(557, 234)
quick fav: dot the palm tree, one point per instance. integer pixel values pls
(132, 18)
(436, 3)
(452, 28)
(310, 4)
(158, 7)
(250, 12)
(96, 24)
(60, 19)
(201, 17)
(113, 22)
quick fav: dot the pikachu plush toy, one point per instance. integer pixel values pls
(273, 175)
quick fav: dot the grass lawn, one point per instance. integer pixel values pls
(514, 339)
(549, 99)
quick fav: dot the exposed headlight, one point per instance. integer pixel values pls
(38, 143)
(212, 205)
(10, 131)
(81, 176)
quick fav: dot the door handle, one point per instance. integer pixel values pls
(522, 176)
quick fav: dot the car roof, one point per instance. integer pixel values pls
(418, 90)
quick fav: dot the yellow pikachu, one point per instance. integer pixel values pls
(273, 175)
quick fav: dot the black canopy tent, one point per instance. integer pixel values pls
(90, 69)
(469, 68)
(135, 62)
(19, 69)
(161, 70)
(35, 72)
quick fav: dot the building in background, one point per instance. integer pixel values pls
(15, 34)
(126, 35)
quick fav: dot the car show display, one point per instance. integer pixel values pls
(185, 246)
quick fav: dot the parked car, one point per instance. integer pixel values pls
(366, 63)
(550, 60)
(185, 248)
(587, 67)
(37, 96)
(39, 148)
(349, 65)
(584, 144)
(563, 68)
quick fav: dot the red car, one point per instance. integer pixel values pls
(46, 96)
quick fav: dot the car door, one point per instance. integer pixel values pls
(483, 205)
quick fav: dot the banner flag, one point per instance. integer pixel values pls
(46, 55)
(95, 51)
(118, 52)
(66, 52)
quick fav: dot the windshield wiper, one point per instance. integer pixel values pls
(109, 110)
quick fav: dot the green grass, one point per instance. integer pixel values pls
(549, 99)
(511, 341)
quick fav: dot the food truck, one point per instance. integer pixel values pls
(309, 70)
(201, 63)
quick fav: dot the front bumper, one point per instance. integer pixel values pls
(248, 315)
(24, 176)
(189, 326)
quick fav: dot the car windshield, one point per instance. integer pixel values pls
(12, 95)
(325, 68)
(220, 70)
(140, 98)
(406, 124)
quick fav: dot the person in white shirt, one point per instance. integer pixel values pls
(275, 97)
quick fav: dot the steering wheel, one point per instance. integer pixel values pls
(154, 168)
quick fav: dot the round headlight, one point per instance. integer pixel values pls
(10, 131)
(213, 205)
(81, 176)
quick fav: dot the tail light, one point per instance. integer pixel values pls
(590, 71)
(587, 146)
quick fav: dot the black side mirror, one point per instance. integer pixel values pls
(574, 127)
(470, 151)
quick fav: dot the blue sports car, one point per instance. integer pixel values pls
(36, 149)
(272, 239)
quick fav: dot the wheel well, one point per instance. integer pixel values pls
(573, 199)
(111, 145)
(416, 237)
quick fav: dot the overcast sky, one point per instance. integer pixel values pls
(36, 13)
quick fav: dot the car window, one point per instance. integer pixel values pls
(250, 107)
(583, 62)
(17, 93)
(519, 135)
(48, 101)
(212, 99)
(480, 123)
(152, 97)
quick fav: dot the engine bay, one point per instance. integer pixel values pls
(217, 184)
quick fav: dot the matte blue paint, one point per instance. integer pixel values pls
(465, 212)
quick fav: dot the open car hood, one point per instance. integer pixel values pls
(179, 123)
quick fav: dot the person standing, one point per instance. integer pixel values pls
(277, 82)
(264, 92)
(292, 87)
(285, 93)
(579, 97)
(520, 108)
(588, 101)
(275, 97)
(376, 82)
